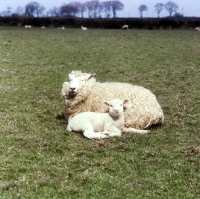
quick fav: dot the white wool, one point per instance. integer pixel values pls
(83, 28)
(143, 111)
(125, 27)
(96, 125)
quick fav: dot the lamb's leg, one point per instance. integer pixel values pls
(132, 130)
(90, 134)
(112, 131)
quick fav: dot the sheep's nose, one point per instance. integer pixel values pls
(72, 89)
(117, 111)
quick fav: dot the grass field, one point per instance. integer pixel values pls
(39, 159)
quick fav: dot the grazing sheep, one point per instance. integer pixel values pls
(197, 28)
(125, 27)
(83, 28)
(42, 27)
(27, 26)
(96, 125)
(83, 94)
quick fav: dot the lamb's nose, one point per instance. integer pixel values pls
(117, 111)
(72, 89)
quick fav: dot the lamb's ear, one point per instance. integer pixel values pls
(106, 103)
(125, 103)
(89, 76)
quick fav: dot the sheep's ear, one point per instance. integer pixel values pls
(89, 76)
(106, 103)
(125, 103)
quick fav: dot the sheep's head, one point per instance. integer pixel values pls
(116, 107)
(76, 80)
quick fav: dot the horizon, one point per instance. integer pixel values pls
(130, 7)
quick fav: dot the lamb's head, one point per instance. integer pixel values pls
(116, 107)
(76, 80)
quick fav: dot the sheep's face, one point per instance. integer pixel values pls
(116, 107)
(76, 82)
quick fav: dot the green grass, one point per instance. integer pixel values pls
(39, 159)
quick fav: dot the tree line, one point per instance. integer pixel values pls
(93, 8)
(170, 6)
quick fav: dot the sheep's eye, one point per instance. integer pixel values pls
(111, 105)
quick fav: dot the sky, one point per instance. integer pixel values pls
(188, 8)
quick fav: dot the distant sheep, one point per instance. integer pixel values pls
(42, 27)
(83, 28)
(27, 26)
(96, 125)
(125, 27)
(197, 28)
(83, 94)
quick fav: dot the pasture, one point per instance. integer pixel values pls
(40, 159)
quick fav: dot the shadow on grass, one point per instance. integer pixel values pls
(60, 116)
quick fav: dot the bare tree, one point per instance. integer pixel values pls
(116, 6)
(33, 8)
(159, 8)
(66, 10)
(19, 11)
(75, 7)
(9, 10)
(82, 9)
(171, 7)
(141, 9)
(106, 6)
(100, 8)
(89, 6)
(55, 12)
(40, 10)
(92, 7)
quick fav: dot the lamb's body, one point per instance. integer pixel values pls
(93, 125)
(143, 110)
(96, 125)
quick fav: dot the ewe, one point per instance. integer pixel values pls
(83, 28)
(101, 125)
(83, 94)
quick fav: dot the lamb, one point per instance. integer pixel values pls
(84, 94)
(96, 125)
(125, 27)
(83, 28)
